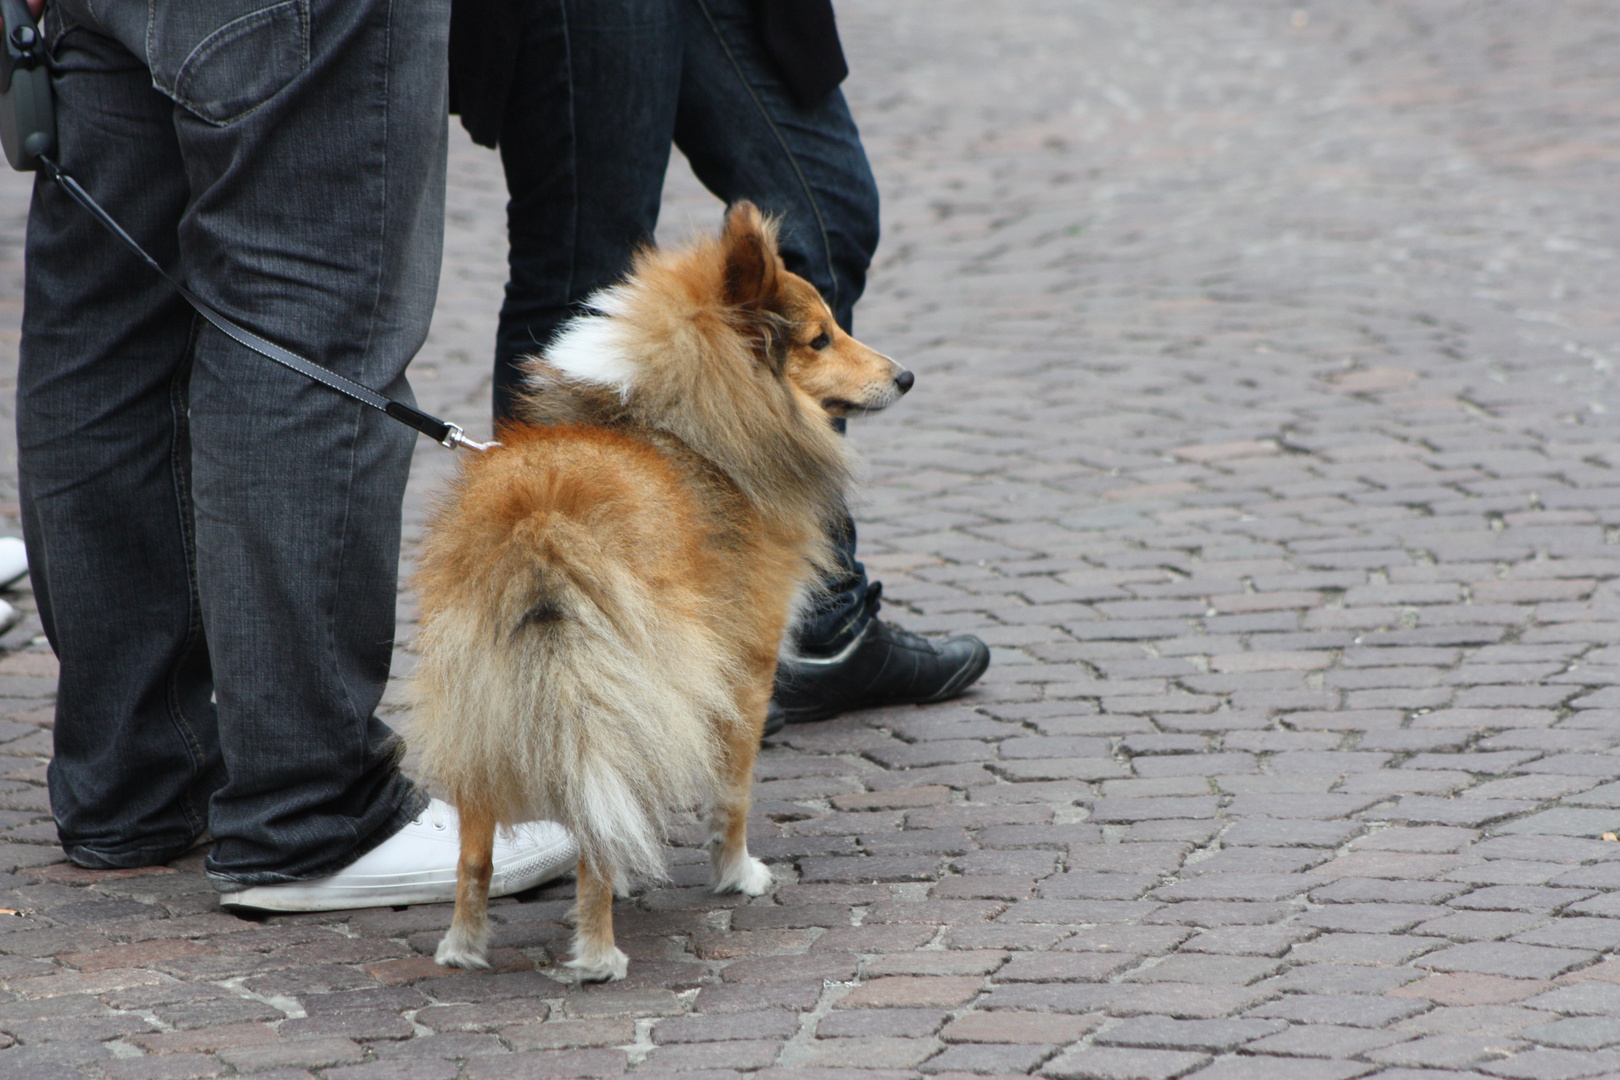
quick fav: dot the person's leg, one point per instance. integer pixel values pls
(303, 191)
(747, 138)
(315, 148)
(103, 472)
(294, 176)
(584, 144)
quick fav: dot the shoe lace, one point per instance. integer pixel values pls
(892, 630)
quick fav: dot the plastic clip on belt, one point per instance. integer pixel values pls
(440, 431)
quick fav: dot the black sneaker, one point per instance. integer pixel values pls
(882, 665)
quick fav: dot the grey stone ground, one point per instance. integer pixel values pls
(1265, 424)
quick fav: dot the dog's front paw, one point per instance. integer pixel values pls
(748, 876)
(461, 948)
(607, 965)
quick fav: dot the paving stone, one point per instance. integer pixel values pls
(1166, 1033)
(1355, 1010)
(747, 997)
(571, 1034)
(904, 991)
(1265, 831)
(1011, 1027)
(1236, 886)
(1367, 918)
(1108, 1063)
(546, 1065)
(1246, 940)
(1051, 997)
(1586, 998)
(1506, 958)
(1360, 949)
(1183, 1001)
(1128, 810)
(1219, 913)
(1480, 925)
(880, 1051)
(1519, 898)
(1268, 1068)
(1142, 940)
(1553, 1064)
(901, 1023)
(1065, 966)
(1503, 1020)
(1471, 988)
(1213, 969)
(1446, 1051)
(985, 1058)
(1576, 1033)
(313, 1053)
(1574, 933)
(1325, 1041)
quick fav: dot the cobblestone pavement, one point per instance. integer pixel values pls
(1265, 424)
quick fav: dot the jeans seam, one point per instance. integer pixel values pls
(787, 152)
(182, 490)
(301, 9)
(358, 421)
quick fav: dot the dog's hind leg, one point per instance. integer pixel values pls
(467, 941)
(596, 958)
(734, 870)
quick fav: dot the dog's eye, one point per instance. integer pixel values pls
(821, 341)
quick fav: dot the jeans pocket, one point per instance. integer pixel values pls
(241, 65)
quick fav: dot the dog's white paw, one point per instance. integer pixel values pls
(748, 875)
(608, 965)
(462, 949)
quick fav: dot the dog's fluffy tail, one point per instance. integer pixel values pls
(559, 687)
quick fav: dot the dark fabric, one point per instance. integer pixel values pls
(801, 37)
(484, 40)
(603, 87)
(214, 540)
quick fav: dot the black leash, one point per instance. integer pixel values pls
(28, 135)
(440, 431)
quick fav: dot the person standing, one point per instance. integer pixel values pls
(583, 99)
(213, 539)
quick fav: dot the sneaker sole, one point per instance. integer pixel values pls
(401, 890)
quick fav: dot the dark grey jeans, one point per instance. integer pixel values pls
(602, 88)
(214, 540)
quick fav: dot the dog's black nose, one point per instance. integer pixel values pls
(904, 380)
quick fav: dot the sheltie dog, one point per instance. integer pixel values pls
(604, 594)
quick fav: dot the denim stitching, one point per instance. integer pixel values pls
(181, 471)
(358, 420)
(300, 9)
(809, 192)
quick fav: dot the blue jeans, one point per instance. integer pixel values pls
(214, 540)
(603, 87)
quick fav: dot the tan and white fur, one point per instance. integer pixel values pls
(605, 593)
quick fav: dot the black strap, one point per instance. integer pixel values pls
(446, 434)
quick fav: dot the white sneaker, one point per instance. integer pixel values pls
(9, 616)
(13, 561)
(417, 865)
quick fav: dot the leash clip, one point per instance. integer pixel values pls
(456, 439)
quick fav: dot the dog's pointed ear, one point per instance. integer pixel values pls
(752, 264)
